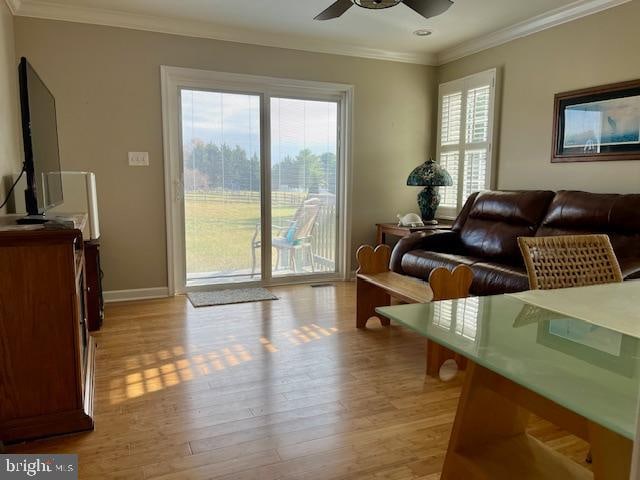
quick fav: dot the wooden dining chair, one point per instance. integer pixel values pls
(447, 285)
(569, 261)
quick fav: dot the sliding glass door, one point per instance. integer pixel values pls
(304, 172)
(221, 173)
(256, 179)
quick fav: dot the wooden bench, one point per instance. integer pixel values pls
(376, 286)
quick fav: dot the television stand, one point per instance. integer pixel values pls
(50, 222)
(47, 367)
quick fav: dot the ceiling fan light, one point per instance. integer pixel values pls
(376, 4)
(426, 8)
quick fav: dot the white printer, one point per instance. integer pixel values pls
(80, 196)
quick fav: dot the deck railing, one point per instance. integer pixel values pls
(324, 235)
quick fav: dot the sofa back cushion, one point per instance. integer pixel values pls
(573, 213)
(496, 219)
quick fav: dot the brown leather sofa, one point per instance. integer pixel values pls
(484, 236)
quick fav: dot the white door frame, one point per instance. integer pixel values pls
(175, 78)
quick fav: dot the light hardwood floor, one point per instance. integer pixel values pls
(273, 390)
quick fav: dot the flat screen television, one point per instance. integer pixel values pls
(40, 137)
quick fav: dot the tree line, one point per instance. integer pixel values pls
(209, 166)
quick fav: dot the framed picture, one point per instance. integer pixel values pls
(597, 124)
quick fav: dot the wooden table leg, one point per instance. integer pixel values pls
(368, 298)
(489, 441)
(610, 453)
(482, 418)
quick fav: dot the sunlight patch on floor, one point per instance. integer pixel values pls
(165, 368)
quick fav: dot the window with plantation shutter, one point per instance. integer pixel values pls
(465, 135)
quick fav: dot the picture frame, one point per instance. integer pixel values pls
(597, 124)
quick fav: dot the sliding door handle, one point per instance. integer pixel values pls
(178, 190)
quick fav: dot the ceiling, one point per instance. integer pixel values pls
(466, 27)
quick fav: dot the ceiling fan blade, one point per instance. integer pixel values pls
(335, 10)
(429, 8)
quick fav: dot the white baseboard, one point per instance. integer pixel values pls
(137, 294)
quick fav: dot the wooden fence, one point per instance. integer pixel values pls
(324, 236)
(278, 199)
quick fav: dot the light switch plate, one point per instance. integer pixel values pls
(138, 159)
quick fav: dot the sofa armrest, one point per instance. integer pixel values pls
(440, 241)
(630, 268)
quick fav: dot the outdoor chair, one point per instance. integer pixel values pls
(292, 238)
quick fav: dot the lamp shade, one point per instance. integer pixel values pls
(429, 174)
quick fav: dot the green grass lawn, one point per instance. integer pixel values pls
(218, 233)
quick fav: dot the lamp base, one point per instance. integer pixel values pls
(428, 201)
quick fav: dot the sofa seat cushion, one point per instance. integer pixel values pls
(420, 263)
(630, 268)
(495, 279)
(489, 278)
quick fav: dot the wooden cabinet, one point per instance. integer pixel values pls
(46, 353)
(93, 274)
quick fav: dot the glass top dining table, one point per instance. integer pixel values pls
(586, 368)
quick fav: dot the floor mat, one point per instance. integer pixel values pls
(230, 296)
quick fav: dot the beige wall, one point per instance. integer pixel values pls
(600, 49)
(107, 87)
(10, 149)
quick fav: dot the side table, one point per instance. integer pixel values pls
(393, 229)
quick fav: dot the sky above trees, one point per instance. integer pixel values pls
(234, 119)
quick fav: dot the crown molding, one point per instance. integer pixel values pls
(14, 5)
(192, 28)
(559, 16)
(199, 29)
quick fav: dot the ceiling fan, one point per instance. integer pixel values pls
(426, 8)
